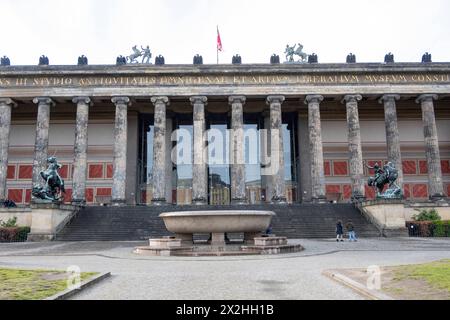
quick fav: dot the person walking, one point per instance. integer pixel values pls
(339, 231)
(351, 231)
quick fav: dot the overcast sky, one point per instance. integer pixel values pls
(178, 29)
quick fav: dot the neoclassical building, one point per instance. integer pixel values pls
(119, 130)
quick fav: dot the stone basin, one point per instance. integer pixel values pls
(218, 221)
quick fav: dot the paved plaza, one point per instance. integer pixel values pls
(294, 276)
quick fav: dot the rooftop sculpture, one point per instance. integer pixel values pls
(295, 51)
(145, 53)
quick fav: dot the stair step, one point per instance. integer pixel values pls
(140, 222)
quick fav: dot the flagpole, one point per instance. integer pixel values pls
(217, 46)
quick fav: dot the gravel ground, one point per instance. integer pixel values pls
(292, 276)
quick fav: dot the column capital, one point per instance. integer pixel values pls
(236, 99)
(199, 100)
(8, 101)
(427, 97)
(160, 100)
(275, 99)
(314, 98)
(81, 99)
(389, 97)
(352, 98)
(44, 100)
(121, 100)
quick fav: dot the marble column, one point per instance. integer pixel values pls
(436, 187)
(159, 150)
(276, 150)
(80, 150)
(354, 145)
(41, 139)
(237, 158)
(120, 150)
(199, 168)
(392, 136)
(5, 127)
(315, 148)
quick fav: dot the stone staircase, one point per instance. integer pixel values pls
(142, 222)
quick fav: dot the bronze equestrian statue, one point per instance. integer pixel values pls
(386, 175)
(54, 184)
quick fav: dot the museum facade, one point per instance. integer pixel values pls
(224, 134)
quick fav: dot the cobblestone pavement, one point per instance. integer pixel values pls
(292, 276)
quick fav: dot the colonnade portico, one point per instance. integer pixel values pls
(237, 167)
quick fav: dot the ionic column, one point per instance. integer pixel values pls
(392, 136)
(238, 194)
(199, 170)
(120, 150)
(80, 150)
(159, 150)
(41, 139)
(5, 126)
(315, 148)
(276, 150)
(354, 145)
(432, 146)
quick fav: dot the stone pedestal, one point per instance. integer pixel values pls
(432, 147)
(354, 145)
(199, 170)
(120, 151)
(217, 239)
(41, 140)
(387, 215)
(5, 126)
(80, 151)
(47, 219)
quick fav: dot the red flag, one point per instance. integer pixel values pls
(219, 41)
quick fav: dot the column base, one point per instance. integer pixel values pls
(239, 201)
(118, 202)
(199, 202)
(319, 199)
(79, 202)
(159, 202)
(278, 200)
(437, 197)
(358, 198)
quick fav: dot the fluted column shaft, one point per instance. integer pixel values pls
(5, 128)
(238, 194)
(276, 149)
(315, 148)
(159, 150)
(432, 146)
(199, 170)
(80, 150)
(392, 135)
(354, 145)
(41, 139)
(120, 150)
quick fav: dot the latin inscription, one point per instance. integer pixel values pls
(235, 80)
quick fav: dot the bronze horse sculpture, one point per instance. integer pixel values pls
(386, 175)
(54, 184)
